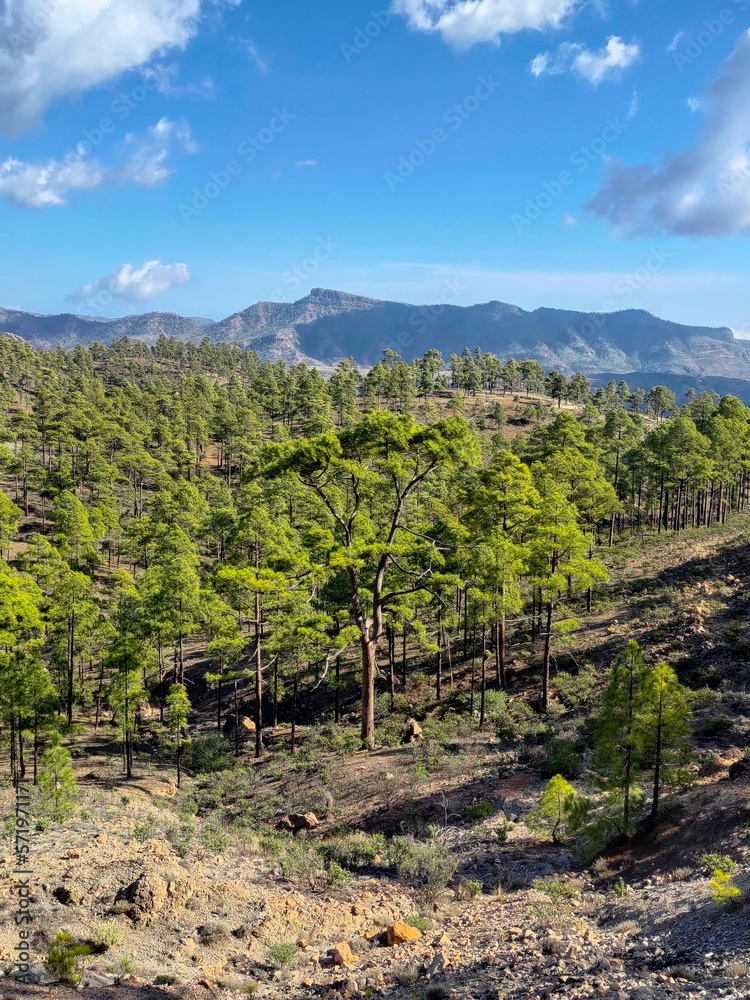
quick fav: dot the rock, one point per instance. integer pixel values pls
(400, 933)
(148, 894)
(740, 769)
(294, 822)
(413, 732)
(343, 954)
(247, 727)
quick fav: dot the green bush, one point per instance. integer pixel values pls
(64, 957)
(556, 890)
(354, 850)
(145, 831)
(724, 889)
(559, 757)
(282, 952)
(215, 840)
(181, 838)
(300, 863)
(421, 923)
(429, 867)
(338, 876)
(480, 810)
(710, 862)
(107, 935)
(164, 980)
(209, 753)
(473, 889)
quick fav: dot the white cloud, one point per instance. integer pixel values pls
(148, 151)
(541, 64)
(307, 163)
(30, 185)
(133, 284)
(50, 49)
(696, 104)
(635, 103)
(253, 53)
(47, 185)
(570, 221)
(676, 41)
(704, 191)
(606, 64)
(164, 77)
(463, 23)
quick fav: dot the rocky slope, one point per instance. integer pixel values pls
(326, 325)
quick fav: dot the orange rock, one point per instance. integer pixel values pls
(400, 933)
(343, 954)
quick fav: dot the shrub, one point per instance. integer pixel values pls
(300, 863)
(559, 757)
(282, 952)
(214, 840)
(209, 753)
(480, 810)
(107, 935)
(181, 838)
(710, 862)
(354, 850)
(429, 867)
(212, 931)
(145, 831)
(421, 923)
(503, 830)
(724, 889)
(473, 889)
(64, 956)
(164, 980)
(556, 890)
(620, 888)
(338, 875)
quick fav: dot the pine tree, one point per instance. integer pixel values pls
(663, 729)
(179, 709)
(618, 737)
(557, 809)
(56, 780)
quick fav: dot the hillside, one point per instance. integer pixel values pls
(308, 694)
(325, 326)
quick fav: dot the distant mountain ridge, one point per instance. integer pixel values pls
(327, 325)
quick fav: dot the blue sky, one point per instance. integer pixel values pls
(199, 156)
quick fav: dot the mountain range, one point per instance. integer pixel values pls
(327, 325)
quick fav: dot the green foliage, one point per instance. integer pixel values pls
(56, 781)
(724, 890)
(710, 862)
(473, 889)
(354, 850)
(282, 953)
(208, 754)
(557, 809)
(338, 876)
(107, 935)
(556, 890)
(64, 957)
(428, 867)
(480, 810)
(421, 923)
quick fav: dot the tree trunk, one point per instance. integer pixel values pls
(258, 682)
(294, 705)
(546, 666)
